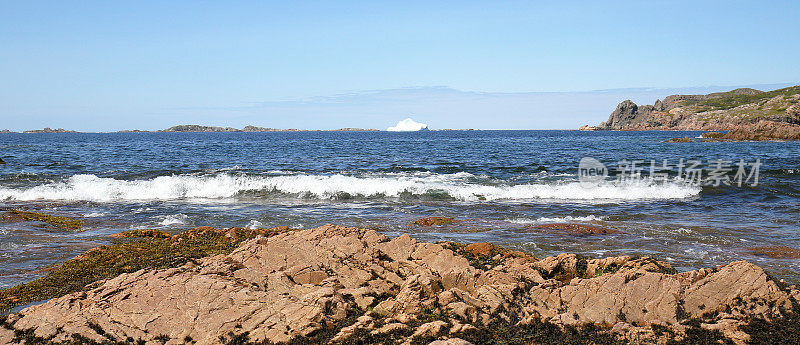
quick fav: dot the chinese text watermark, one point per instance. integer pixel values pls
(695, 172)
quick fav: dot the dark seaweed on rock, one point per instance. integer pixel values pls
(148, 249)
(59, 222)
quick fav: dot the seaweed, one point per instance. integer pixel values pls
(127, 256)
(59, 222)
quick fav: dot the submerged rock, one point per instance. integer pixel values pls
(338, 284)
(578, 228)
(680, 140)
(431, 221)
(777, 252)
(59, 222)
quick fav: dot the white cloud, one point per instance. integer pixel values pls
(408, 125)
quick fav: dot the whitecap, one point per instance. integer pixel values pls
(458, 186)
(565, 219)
(175, 219)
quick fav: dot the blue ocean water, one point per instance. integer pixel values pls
(500, 184)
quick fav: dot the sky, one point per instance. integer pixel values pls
(112, 65)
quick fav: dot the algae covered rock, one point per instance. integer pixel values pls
(434, 221)
(337, 284)
(59, 222)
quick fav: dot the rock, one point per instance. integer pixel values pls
(59, 222)
(763, 131)
(480, 248)
(793, 114)
(721, 111)
(680, 140)
(776, 252)
(451, 341)
(142, 233)
(2, 161)
(199, 128)
(431, 329)
(305, 284)
(578, 228)
(587, 128)
(50, 130)
(432, 221)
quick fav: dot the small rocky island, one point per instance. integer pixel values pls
(199, 128)
(50, 130)
(746, 114)
(344, 285)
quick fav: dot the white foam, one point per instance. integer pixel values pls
(175, 219)
(254, 224)
(221, 186)
(565, 219)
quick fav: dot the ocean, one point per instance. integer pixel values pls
(501, 186)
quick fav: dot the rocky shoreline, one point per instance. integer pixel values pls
(343, 285)
(745, 114)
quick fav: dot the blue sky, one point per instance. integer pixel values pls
(110, 65)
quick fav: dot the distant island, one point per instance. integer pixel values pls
(200, 128)
(48, 130)
(746, 114)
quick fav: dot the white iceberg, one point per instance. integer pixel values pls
(408, 125)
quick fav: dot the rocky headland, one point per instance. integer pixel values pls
(343, 285)
(747, 114)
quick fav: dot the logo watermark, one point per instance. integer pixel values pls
(693, 172)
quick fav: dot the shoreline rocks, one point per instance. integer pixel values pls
(746, 114)
(344, 285)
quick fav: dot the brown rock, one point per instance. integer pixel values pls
(481, 249)
(300, 284)
(431, 221)
(763, 130)
(776, 252)
(579, 228)
(451, 341)
(680, 140)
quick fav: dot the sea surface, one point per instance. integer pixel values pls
(500, 185)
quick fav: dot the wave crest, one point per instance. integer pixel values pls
(460, 186)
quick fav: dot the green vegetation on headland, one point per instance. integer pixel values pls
(735, 98)
(134, 250)
(746, 114)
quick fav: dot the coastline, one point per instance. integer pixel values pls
(340, 285)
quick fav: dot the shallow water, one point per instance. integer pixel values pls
(501, 184)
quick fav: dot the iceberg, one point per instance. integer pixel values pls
(408, 125)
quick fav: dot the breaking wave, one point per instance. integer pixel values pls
(459, 186)
(566, 219)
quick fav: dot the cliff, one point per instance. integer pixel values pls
(715, 111)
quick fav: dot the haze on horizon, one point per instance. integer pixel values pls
(106, 66)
